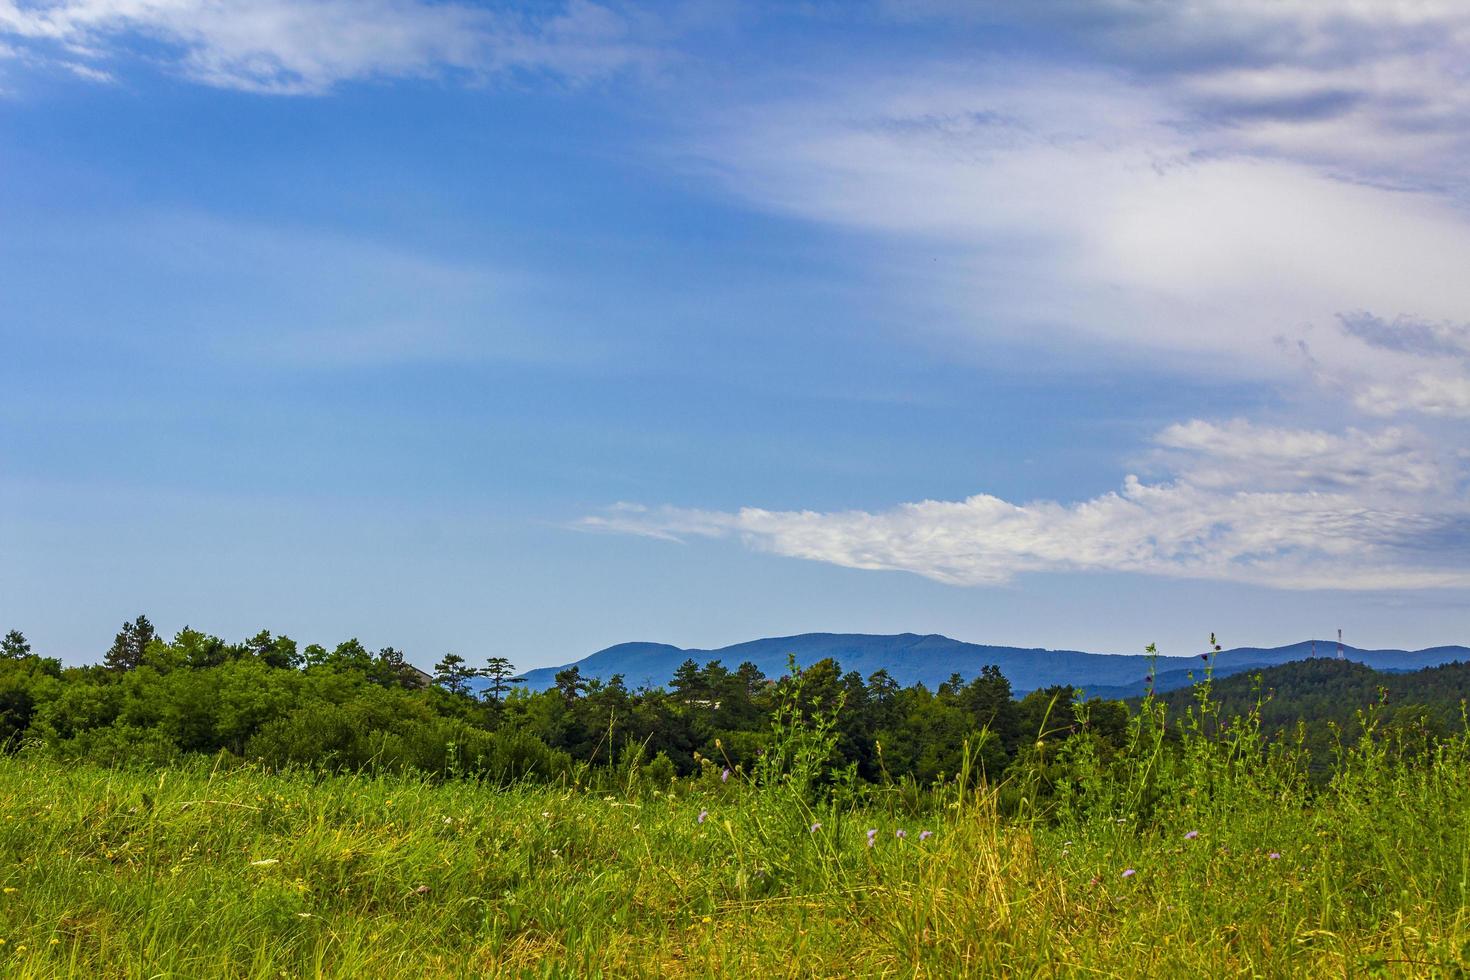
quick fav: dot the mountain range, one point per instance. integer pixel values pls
(930, 659)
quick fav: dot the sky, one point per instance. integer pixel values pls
(524, 330)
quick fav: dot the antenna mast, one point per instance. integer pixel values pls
(1339, 644)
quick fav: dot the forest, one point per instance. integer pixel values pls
(266, 701)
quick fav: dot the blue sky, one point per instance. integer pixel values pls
(527, 330)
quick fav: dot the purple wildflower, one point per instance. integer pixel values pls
(816, 827)
(1274, 856)
(702, 815)
(725, 776)
(900, 833)
(1191, 835)
(925, 834)
(1204, 656)
(872, 835)
(1129, 872)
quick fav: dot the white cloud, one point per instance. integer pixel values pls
(1214, 188)
(309, 46)
(1238, 455)
(1066, 204)
(1253, 510)
(1441, 394)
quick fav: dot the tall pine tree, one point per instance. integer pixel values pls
(129, 644)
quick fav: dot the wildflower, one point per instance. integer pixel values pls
(702, 815)
(900, 833)
(1191, 835)
(725, 776)
(925, 834)
(1129, 872)
(421, 890)
(10, 891)
(1204, 656)
(265, 862)
(872, 835)
(816, 827)
(1274, 856)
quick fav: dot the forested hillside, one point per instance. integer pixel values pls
(1325, 691)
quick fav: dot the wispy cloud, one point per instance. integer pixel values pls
(1067, 203)
(1206, 186)
(1374, 90)
(310, 46)
(1272, 507)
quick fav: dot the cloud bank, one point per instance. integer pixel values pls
(1291, 509)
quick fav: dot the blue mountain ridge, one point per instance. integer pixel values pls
(930, 659)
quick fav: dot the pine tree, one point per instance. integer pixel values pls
(501, 673)
(15, 646)
(453, 674)
(129, 644)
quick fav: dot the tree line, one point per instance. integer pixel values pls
(266, 701)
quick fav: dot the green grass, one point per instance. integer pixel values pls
(193, 873)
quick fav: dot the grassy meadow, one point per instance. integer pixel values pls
(1188, 858)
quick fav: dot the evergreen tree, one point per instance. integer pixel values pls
(14, 646)
(129, 644)
(501, 673)
(453, 674)
(687, 684)
(570, 683)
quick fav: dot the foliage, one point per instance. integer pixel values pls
(821, 733)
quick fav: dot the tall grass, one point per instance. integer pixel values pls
(1198, 851)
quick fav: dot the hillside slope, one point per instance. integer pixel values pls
(929, 659)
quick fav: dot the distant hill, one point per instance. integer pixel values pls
(1319, 691)
(930, 659)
